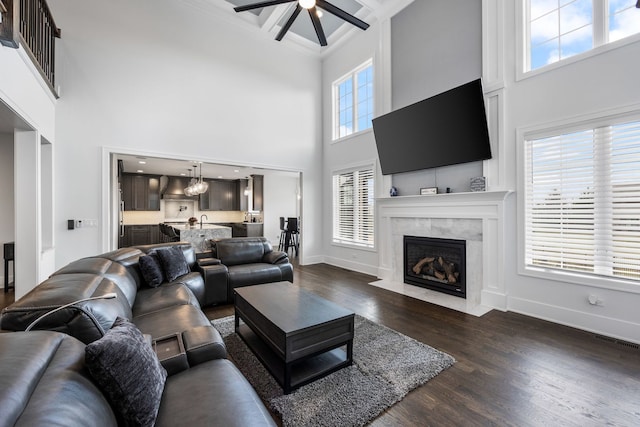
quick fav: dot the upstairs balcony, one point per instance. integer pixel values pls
(29, 23)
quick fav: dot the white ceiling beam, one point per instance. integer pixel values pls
(270, 16)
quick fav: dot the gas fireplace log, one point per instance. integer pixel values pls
(418, 267)
(438, 268)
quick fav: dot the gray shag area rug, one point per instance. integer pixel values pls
(387, 365)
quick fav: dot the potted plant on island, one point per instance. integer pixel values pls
(192, 221)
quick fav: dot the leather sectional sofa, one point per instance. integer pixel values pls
(42, 374)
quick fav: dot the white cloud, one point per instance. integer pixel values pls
(625, 24)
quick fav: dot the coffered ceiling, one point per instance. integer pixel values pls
(271, 19)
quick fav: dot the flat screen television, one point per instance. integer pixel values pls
(446, 129)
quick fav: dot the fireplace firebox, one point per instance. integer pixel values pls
(436, 264)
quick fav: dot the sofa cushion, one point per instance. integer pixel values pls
(42, 376)
(165, 295)
(86, 321)
(104, 267)
(151, 269)
(173, 262)
(128, 371)
(171, 320)
(254, 274)
(230, 399)
(239, 250)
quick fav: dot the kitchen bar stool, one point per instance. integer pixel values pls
(283, 233)
(292, 238)
(9, 255)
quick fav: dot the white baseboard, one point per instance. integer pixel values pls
(494, 300)
(602, 325)
(351, 265)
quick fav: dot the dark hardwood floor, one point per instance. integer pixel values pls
(510, 370)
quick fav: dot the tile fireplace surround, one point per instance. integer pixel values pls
(478, 218)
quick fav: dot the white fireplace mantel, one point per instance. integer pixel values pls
(477, 217)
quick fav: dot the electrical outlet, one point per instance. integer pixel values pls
(79, 223)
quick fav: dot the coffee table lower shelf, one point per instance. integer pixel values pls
(302, 371)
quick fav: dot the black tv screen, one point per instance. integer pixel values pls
(446, 129)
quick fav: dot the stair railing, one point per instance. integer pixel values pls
(29, 23)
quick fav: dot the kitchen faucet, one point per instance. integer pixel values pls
(203, 215)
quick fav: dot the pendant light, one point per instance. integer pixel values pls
(188, 191)
(201, 186)
(196, 186)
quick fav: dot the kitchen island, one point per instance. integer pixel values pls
(200, 234)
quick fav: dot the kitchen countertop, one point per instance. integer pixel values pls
(185, 226)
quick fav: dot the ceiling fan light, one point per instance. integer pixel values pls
(307, 4)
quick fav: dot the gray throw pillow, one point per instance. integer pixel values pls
(127, 370)
(173, 262)
(151, 269)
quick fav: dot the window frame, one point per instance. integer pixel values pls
(336, 241)
(335, 101)
(600, 35)
(567, 126)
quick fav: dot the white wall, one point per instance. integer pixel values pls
(280, 196)
(30, 108)
(428, 47)
(6, 196)
(596, 84)
(356, 150)
(175, 80)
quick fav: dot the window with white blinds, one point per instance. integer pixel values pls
(582, 201)
(353, 207)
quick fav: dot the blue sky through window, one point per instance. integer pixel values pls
(560, 29)
(354, 101)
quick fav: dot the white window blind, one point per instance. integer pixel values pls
(582, 197)
(353, 208)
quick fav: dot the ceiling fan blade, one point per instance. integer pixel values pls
(334, 10)
(313, 13)
(287, 25)
(260, 5)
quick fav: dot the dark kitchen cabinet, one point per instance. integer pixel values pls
(247, 229)
(136, 235)
(221, 196)
(258, 189)
(141, 192)
(243, 195)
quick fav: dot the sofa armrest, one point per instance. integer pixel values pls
(215, 283)
(202, 262)
(276, 257)
(203, 343)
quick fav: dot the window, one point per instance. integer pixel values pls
(582, 201)
(559, 29)
(353, 207)
(353, 101)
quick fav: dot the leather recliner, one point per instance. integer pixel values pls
(248, 261)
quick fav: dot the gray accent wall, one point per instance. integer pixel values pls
(436, 45)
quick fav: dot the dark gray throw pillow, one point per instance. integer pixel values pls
(129, 373)
(173, 262)
(151, 269)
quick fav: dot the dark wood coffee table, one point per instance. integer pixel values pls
(298, 336)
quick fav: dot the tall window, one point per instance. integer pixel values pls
(582, 209)
(558, 29)
(353, 101)
(353, 207)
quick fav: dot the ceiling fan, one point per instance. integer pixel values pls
(310, 5)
